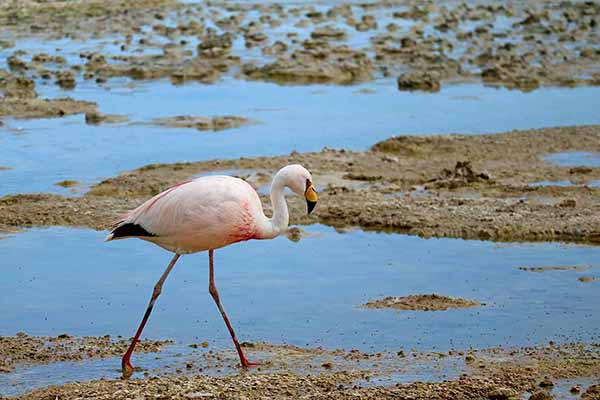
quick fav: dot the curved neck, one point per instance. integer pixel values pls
(278, 223)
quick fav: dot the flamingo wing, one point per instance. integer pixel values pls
(206, 213)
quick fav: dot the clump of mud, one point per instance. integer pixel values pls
(25, 349)
(555, 268)
(461, 175)
(421, 302)
(97, 118)
(203, 123)
(67, 183)
(418, 80)
(586, 279)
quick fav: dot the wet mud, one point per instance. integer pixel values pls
(495, 373)
(462, 186)
(520, 45)
(23, 349)
(421, 302)
(203, 123)
(44, 108)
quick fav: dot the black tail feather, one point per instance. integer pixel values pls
(128, 230)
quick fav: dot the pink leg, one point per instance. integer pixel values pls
(212, 289)
(126, 363)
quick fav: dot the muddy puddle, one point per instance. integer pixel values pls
(272, 295)
(45, 151)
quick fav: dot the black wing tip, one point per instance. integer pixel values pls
(130, 230)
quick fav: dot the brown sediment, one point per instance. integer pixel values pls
(586, 279)
(495, 373)
(24, 349)
(44, 108)
(421, 302)
(67, 183)
(203, 123)
(20, 100)
(97, 118)
(339, 65)
(592, 393)
(522, 45)
(556, 268)
(462, 186)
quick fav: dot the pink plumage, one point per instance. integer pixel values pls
(207, 213)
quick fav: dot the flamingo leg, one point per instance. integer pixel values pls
(126, 363)
(212, 289)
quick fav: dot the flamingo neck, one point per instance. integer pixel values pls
(278, 223)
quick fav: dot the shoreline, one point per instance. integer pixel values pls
(456, 186)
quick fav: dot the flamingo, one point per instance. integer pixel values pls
(208, 213)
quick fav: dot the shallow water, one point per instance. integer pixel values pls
(303, 118)
(564, 183)
(59, 280)
(575, 158)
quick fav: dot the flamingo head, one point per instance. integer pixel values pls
(299, 180)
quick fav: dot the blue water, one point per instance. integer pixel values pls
(59, 280)
(575, 158)
(303, 118)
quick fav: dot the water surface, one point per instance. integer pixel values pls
(303, 118)
(308, 293)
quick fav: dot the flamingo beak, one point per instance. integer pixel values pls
(311, 197)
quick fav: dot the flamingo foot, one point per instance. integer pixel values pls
(248, 364)
(127, 369)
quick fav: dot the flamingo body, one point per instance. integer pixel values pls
(207, 213)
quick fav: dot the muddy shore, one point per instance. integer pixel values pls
(495, 373)
(461, 186)
(521, 45)
(23, 349)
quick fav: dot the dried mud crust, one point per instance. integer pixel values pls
(495, 373)
(25, 349)
(462, 186)
(521, 45)
(421, 302)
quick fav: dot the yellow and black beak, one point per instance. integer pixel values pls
(311, 196)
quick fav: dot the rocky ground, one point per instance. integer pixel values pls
(496, 373)
(24, 349)
(462, 186)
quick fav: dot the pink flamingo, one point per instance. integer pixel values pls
(206, 214)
